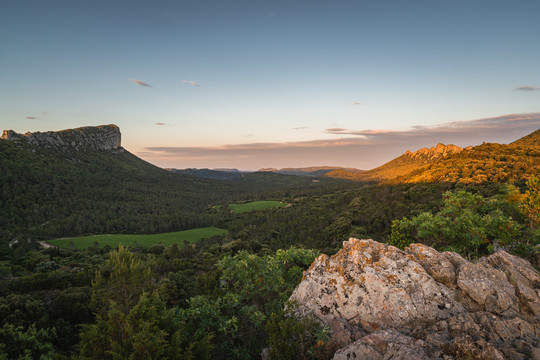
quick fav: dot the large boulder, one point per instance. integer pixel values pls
(381, 302)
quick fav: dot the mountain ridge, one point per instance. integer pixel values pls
(402, 165)
(533, 139)
(102, 137)
(493, 162)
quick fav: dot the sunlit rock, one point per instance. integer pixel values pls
(381, 302)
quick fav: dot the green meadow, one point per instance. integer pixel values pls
(165, 239)
(255, 205)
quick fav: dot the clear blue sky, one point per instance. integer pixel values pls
(252, 83)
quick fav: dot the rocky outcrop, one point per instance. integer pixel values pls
(434, 153)
(104, 137)
(381, 302)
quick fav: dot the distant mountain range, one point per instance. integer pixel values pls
(235, 174)
(216, 174)
(315, 170)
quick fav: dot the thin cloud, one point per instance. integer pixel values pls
(140, 83)
(362, 149)
(528, 88)
(191, 82)
(456, 127)
(31, 117)
(357, 103)
(300, 128)
(161, 124)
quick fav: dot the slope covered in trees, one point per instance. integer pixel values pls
(401, 165)
(487, 162)
(50, 192)
(483, 163)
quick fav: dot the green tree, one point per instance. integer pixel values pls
(123, 280)
(18, 343)
(252, 288)
(147, 331)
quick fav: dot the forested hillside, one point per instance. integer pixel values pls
(401, 165)
(51, 192)
(484, 163)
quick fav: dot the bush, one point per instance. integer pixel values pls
(467, 223)
(293, 337)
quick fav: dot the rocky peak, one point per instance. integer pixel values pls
(103, 137)
(382, 302)
(434, 153)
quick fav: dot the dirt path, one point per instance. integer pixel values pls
(45, 244)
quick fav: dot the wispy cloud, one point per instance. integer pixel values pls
(300, 128)
(31, 117)
(161, 124)
(357, 103)
(528, 88)
(140, 82)
(492, 124)
(191, 82)
(363, 149)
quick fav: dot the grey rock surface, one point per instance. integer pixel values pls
(103, 137)
(381, 302)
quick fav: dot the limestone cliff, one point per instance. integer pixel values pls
(103, 137)
(382, 303)
(434, 153)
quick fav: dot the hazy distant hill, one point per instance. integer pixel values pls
(401, 165)
(211, 174)
(310, 171)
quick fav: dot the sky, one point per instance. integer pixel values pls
(257, 83)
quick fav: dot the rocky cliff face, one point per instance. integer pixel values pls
(104, 137)
(382, 303)
(434, 153)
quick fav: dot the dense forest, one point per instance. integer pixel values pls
(51, 193)
(226, 296)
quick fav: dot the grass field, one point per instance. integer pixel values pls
(165, 239)
(255, 205)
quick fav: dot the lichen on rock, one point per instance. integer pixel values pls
(423, 302)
